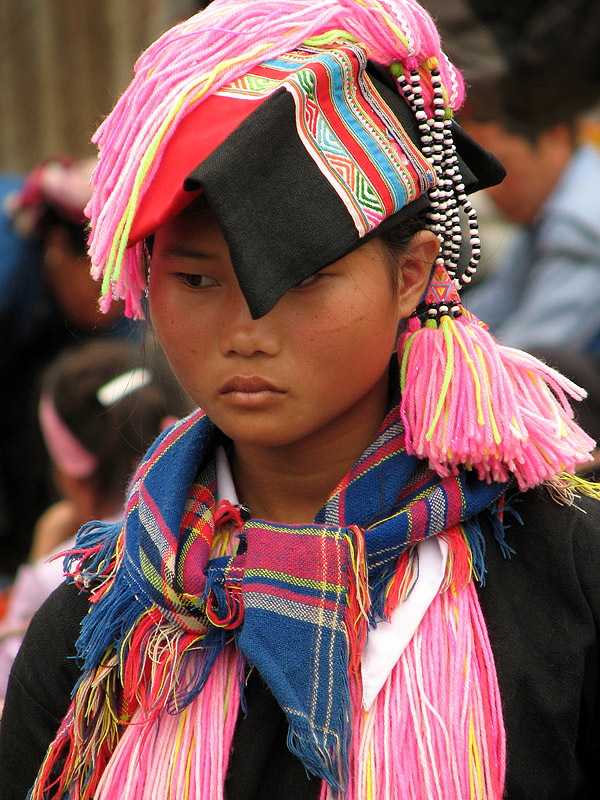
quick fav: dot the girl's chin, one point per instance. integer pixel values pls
(262, 433)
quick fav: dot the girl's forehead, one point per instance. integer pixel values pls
(196, 221)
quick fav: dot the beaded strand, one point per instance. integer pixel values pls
(448, 197)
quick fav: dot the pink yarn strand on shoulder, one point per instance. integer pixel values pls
(435, 730)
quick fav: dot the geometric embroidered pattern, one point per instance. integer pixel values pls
(441, 289)
(352, 136)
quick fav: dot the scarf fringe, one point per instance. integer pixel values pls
(182, 755)
(466, 560)
(85, 740)
(158, 671)
(468, 401)
(93, 562)
(566, 488)
(358, 604)
(331, 763)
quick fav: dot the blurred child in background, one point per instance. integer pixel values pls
(99, 411)
(48, 302)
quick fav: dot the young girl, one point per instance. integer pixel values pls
(290, 608)
(99, 411)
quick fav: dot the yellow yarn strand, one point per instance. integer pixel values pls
(405, 355)
(182, 718)
(475, 760)
(330, 37)
(188, 766)
(228, 689)
(370, 774)
(447, 376)
(567, 487)
(471, 365)
(488, 392)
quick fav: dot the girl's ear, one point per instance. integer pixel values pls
(414, 272)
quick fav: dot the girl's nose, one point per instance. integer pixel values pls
(244, 336)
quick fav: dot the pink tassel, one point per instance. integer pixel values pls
(435, 730)
(181, 755)
(468, 401)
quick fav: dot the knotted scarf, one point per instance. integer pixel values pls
(295, 600)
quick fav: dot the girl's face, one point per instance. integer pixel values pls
(317, 363)
(73, 288)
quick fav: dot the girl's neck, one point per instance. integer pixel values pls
(289, 484)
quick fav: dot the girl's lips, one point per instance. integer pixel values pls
(249, 385)
(250, 393)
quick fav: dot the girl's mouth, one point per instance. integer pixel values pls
(249, 391)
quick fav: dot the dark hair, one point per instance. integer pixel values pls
(526, 103)
(76, 235)
(119, 434)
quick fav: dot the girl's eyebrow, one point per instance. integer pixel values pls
(186, 251)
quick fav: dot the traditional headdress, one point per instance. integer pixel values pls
(310, 129)
(291, 105)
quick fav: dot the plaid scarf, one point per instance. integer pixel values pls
(296, 600)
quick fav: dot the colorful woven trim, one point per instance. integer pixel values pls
(350, 133)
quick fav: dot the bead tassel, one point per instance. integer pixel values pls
(468, 401)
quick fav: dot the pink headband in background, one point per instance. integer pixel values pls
(67, 452)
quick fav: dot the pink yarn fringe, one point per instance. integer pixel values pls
(436, 728)
(466, 400)
(182, 755)
(191, 61)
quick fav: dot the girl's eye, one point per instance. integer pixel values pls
(308, 281)
(197, 281)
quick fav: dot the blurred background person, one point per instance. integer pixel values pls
(533, 75)
(100, 408)
(63, 63)
(545, 288)
(48, 301)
